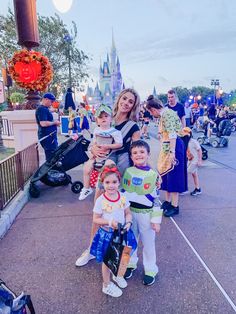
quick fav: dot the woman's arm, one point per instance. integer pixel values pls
(111, 146)
(98, 151)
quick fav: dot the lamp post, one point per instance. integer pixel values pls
(215, 83)
(68, 40)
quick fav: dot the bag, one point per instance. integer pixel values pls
(118, 252)
(11, 304)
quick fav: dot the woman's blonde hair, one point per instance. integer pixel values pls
(133, 114)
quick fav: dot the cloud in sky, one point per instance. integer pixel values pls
(211, 41)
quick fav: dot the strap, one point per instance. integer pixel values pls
(127, 127)
(150, 197)
(29, 304)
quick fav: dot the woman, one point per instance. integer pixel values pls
(125, 116)
(172, 155)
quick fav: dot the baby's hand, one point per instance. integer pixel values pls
(156, 227)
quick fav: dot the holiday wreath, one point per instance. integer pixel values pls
(30, 70)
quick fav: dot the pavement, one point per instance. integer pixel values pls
(39, 251)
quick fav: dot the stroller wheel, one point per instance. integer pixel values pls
(68, 180)
(200, 140)
(204, 156)
(214, 143)
(76, 187)
(34, 191)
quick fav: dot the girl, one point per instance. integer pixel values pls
(110, 208)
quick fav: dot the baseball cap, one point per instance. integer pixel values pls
(49, 96)
(103, 108)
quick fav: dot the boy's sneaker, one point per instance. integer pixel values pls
(84, 193)
(148, 280)
(122, 283)
(112, 290)
(129, 272)
(84, 258)
(196, 192)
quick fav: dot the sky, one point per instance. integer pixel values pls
(161, 43)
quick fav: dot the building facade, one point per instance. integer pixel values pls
(110, 81)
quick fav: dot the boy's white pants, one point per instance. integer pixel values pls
(142, 229)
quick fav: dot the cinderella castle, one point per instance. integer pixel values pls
(110, 81)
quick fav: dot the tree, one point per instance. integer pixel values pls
(52, 31)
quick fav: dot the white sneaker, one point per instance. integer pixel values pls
(84, 193)
(84, 258)
(112, 290)
(122, 283)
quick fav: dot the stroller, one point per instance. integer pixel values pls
(204, 153)
(219, 140)
(68, 155)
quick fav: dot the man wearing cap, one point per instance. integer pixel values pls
(47, 128)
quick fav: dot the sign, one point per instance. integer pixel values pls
(65, 123)
(2, 93)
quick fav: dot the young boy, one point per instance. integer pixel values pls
(106, 137)
(139, 183)
(194, 155)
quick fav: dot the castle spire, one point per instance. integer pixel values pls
(113, 46)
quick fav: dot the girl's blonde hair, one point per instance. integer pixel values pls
(133, 114)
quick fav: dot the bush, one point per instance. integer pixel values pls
(17, 98)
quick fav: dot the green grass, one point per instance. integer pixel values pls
(7, 153)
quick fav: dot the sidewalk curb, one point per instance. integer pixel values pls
(9, 214)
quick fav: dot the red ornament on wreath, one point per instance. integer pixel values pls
(30, 70)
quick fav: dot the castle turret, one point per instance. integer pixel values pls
(154, 93)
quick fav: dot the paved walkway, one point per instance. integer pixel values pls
(39, 252)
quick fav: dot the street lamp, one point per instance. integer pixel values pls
(68, 39)
(215, 83)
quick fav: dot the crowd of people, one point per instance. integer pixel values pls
(127, 191)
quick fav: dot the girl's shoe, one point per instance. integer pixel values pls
(84, 258)
(122, 283)
(85, 193)
(112, 290)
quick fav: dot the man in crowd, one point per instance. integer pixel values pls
(47, 127)
(174, 105)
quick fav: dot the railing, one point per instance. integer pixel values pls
(7, 128)
(15, 172)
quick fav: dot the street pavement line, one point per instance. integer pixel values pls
(205, 266)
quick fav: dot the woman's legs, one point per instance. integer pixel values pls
(175, 199)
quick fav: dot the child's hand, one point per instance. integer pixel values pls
(128, 225)
(114, 224)
(158, 182)
(156, 227)
(199, 163)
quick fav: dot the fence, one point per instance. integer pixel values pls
(7, 128)
(15, 172)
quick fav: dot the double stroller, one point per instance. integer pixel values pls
(219, 137)
(68, 155)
